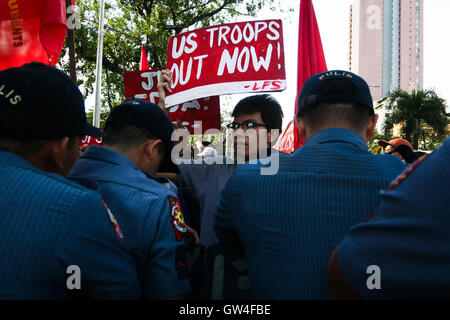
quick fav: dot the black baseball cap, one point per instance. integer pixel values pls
(347, 87)
(38, 101)
(149, 116)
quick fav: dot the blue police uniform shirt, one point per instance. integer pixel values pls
(144, 208)
(290, 223)
(49, 224)
(407, 238)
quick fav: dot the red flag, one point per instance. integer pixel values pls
(311, 60)
(31, 30)
(144, 60)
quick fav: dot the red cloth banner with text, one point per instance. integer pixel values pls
(31, 30)
(143, 85)
(226, 59)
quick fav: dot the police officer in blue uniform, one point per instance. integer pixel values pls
(58, 240)
(137, 142)
(403, 251)
(289, 223)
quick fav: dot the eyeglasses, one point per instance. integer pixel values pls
(245, 125)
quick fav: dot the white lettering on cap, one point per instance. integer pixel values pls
(9, 94)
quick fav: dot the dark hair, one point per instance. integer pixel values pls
(128, 136)
(268, 106)
(355, 115)
(26, 148)
(330, 91)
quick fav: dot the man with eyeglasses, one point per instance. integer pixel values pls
(257, 123)
(256, 119)
(256, 126)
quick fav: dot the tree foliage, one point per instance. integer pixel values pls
(130, 23)
(373, 145)
(422, 116)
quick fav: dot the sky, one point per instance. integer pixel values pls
(333, 20)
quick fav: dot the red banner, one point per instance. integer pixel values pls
(91, 141)
(311, 60)
(231, 58)
(31, 30)
(143, 85)
(286, 141)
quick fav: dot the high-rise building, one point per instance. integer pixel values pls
(386, 44)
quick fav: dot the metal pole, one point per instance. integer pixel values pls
(98, 81)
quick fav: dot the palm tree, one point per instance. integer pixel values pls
(422, 115)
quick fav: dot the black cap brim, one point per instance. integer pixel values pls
(92, 131)
(383, 143)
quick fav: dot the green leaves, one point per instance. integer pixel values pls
(130, 23)
(422, 115)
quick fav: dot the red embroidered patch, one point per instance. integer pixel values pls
(369, 217)
(405, 174)
(177, 218)
(113, 220)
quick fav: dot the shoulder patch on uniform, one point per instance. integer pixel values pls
(369, 217)
(113, 220)
(177, 218)
(405, 174)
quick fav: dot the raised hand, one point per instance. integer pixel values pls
(163, 86)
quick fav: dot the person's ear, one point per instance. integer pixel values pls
(151, 149)
(54, 157)
(301, 128)
(371, 125)
(58, 152)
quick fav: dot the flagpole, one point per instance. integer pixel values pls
(98, 81)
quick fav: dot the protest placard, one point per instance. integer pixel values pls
(231, 58)
(91, 141)
(143, 85)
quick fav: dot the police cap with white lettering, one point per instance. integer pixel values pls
(41, 102)
(334, 86)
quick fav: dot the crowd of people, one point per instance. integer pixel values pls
(124, 221)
